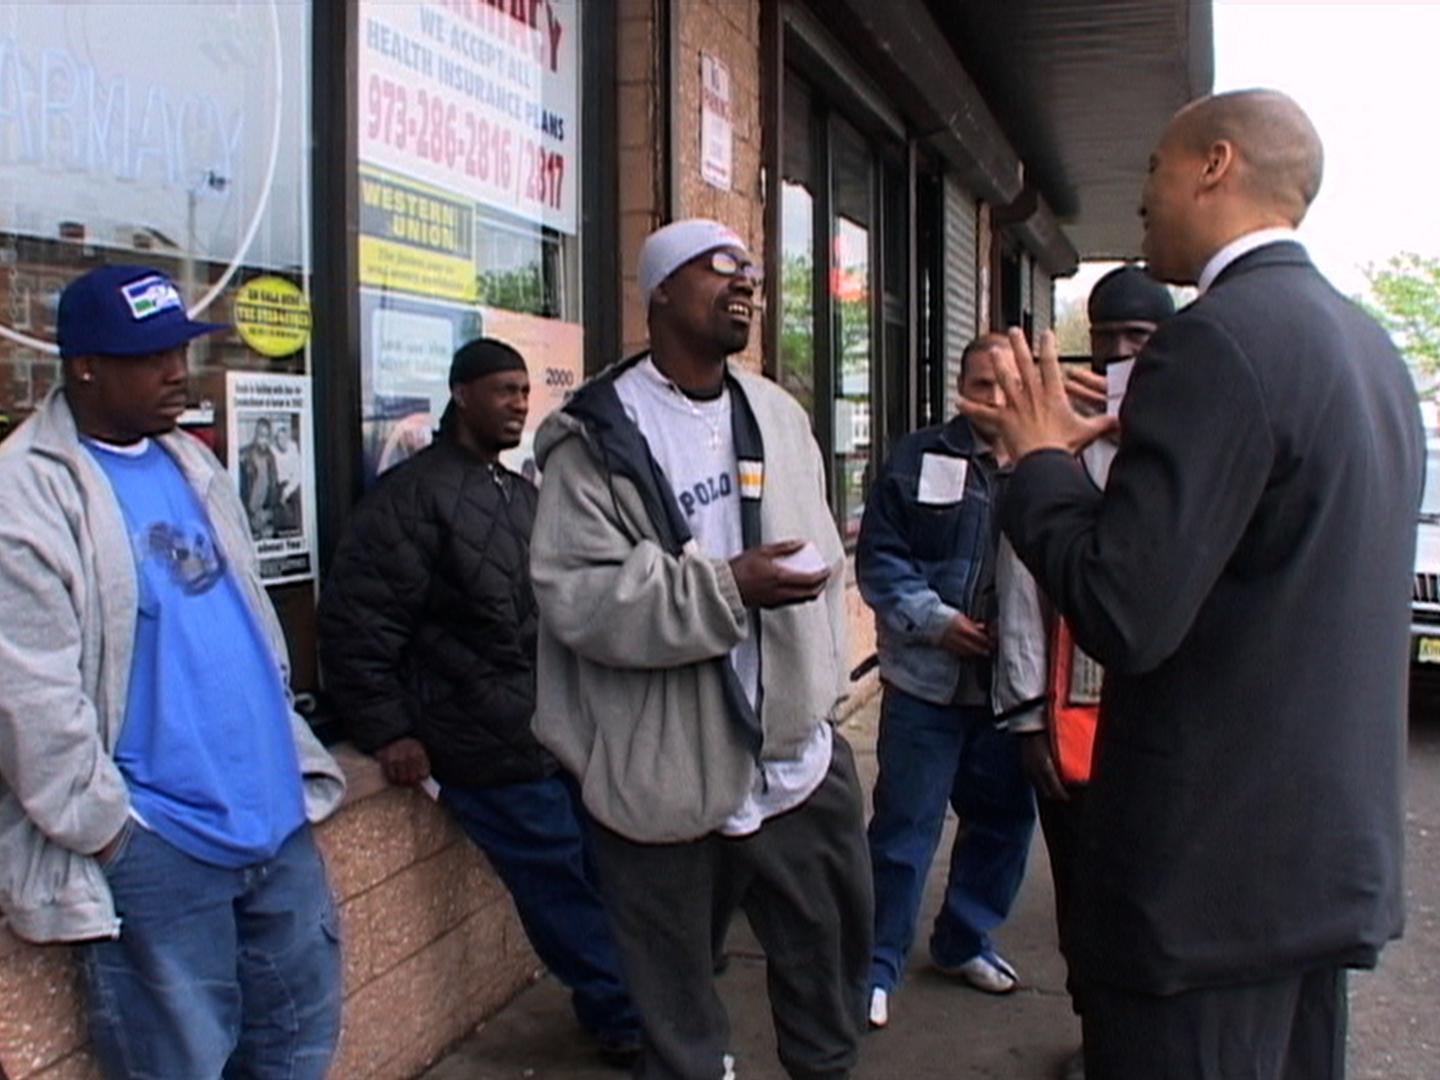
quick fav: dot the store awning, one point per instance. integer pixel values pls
(1048, 103)
(1082, 88)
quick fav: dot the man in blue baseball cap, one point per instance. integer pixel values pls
(123, 333)
(156, 787)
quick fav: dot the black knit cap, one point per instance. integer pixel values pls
(1129, 294)
(483, 356)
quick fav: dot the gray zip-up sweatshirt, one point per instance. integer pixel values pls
(630, 698)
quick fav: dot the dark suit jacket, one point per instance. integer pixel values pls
(1245, 578)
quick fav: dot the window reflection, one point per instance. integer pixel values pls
(795, 367)
(851, 290)
(115, 147)
(797, 296)
(827, 352)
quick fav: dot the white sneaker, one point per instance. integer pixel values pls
(879, 1007)
(729, 1062)
(985, 971)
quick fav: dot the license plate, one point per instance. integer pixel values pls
(1427, 650)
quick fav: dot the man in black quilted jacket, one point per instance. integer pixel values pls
(427, 637)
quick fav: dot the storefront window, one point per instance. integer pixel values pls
(185, 150)
(851, 288)
(469, 141)
(827, 288)
(796, 367)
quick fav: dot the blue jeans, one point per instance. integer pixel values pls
(536, 836)
(217, 972)
(929, 754)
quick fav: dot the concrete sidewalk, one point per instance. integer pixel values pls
(938, 1028)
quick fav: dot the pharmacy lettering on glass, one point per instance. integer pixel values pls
(111, 136)
(118, 147)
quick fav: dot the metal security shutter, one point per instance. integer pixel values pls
(961, 281)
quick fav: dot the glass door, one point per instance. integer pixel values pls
(843, 276)
(851, 234)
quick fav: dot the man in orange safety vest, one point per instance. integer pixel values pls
(1051, 699)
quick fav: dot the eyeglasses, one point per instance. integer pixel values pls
(728, 264)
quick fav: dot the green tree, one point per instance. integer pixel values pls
(1072, 328)
(521, 289)
(797, 327)
(1405, 299)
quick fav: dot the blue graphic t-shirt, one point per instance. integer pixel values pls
(206, 748)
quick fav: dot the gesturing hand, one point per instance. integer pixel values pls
(1036, 413)
(404, 761)
(764, 583)
(1088, 391)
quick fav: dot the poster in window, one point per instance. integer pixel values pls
(476, 98)
(271, 454)
(406, 381)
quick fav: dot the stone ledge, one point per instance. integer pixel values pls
(425, 922)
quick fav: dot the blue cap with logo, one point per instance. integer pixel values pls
(124, 311)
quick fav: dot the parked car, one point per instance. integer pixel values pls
(1425, 601)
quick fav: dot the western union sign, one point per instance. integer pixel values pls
(415, 238)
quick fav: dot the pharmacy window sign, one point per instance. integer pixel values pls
(716, 128)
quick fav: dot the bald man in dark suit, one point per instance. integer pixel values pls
(1244, 579)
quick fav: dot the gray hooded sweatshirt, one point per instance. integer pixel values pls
(67, 627)
(631, 697)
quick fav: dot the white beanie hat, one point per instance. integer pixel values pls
(672, 246)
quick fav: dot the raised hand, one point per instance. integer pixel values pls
(1037, 413)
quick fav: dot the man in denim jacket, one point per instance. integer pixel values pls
(925, 564)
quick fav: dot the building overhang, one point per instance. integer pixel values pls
(1060, 98)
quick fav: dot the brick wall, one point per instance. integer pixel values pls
(640, 109)
(729, 30)
(431, 942)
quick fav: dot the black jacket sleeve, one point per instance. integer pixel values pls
(374, 598)
(1131, 567)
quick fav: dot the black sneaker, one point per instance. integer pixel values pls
(619, 1050)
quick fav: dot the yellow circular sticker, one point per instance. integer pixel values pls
(272, 315)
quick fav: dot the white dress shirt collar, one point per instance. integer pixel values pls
(1242, 245)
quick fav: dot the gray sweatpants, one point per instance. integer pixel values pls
(803, 881)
